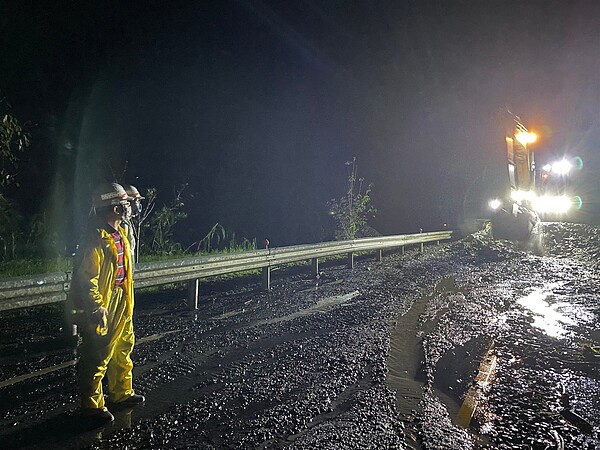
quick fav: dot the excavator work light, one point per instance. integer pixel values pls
(526, 137)
(495, 204)
(562, 167)
(519, 196)
(550, 204)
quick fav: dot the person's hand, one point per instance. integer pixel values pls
(100, 318)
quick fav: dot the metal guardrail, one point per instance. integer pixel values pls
(21, 292)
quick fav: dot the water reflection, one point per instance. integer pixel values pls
(542, 303)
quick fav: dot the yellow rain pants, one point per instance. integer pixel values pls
(107, 355)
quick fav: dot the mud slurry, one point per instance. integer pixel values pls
(297, 381)
(299, 367)
(379, 357)
(540, 352)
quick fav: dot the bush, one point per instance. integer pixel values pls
(352, 211)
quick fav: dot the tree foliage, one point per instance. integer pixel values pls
(218, 239)
(13, 140)
(158, 225)
(352, 211)
(211, 241)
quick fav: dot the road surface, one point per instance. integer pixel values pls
(475, 343)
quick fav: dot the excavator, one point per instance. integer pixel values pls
(535, 194)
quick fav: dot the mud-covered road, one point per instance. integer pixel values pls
(391, 355)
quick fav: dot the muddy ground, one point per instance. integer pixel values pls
(391, 355)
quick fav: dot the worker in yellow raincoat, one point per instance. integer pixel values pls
(102, 296)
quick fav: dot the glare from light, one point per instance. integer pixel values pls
(562, 167)
(547, 168)
(495, 204)
(519, 196)
(550, 204)
(546, 311)
(525, 137)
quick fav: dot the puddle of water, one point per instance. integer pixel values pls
(319, 283)
(546, 315)
(321, 306)
(227, 315)
(155, 337)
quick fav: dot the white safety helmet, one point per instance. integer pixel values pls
(133, 192)
(109, 194)
(136, 203)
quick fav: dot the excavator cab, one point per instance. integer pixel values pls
(515, 218)
(534, 193)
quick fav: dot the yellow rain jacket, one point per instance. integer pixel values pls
(97, 272)
(93, 287)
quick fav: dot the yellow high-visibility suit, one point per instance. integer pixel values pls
(94, 287)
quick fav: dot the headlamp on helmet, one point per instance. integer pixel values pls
(133, 192)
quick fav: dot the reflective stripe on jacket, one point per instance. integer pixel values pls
(96, 275)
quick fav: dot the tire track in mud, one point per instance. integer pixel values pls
(409, 374)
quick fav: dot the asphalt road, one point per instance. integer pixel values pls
(391, 355)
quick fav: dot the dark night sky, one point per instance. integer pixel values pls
(257, 105)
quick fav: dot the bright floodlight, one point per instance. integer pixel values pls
(519, 196)
(552, 204)
(525, 137)
(495, 204)
(562, 167)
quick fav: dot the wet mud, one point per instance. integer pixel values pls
(379, 357)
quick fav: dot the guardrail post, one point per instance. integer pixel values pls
(350, 260)
(445, 228)
(422, 244)
(379, 255)
(266, 278)
(315, 267)
(403, 249)
(193, 293)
